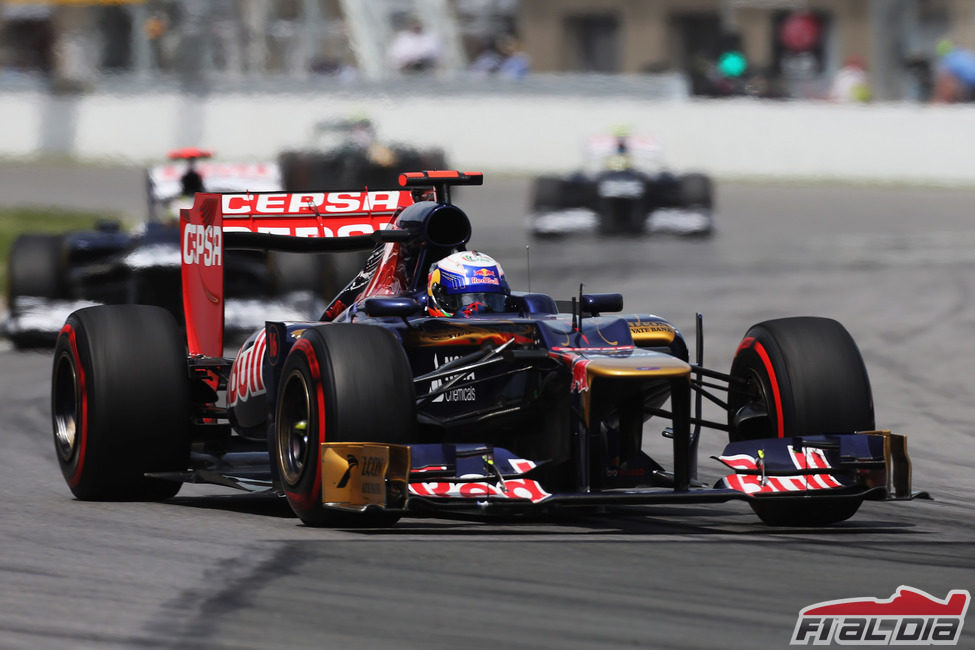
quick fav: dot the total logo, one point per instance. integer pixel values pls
(909, 617)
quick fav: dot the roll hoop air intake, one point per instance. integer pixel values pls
(439, 223)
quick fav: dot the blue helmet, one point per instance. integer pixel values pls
(466, 283)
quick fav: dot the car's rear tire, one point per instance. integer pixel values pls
(325, 275)
(796, 377)
(120, 402)
(695, 191)
(548, 193)
(36, 267)
(296, 272)
(339, 383)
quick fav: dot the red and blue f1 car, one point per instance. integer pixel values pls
(379, 411)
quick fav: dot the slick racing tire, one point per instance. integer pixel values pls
(120, 403)
(798, 376)
(548, 194)
(795, 377)
(556, 193)
(694, 191)
(324, 274)
(340, 269)
(296, 272)
(339, 383)
(36, 267)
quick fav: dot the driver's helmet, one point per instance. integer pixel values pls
(466, 283)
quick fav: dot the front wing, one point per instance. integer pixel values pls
(450, 478)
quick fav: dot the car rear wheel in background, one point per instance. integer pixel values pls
(36, 267)
(547, 194)
(796, 377)
(339, 383)
(325, 275)
(695, 191)
(120, 402)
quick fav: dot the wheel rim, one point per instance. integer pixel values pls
(65, 408)
(757, 410)
(293, 428)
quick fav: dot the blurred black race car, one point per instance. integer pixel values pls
(623, 190)
(49, 276)
(434, 388)
(346, 154)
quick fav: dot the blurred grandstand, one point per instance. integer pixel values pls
(771, 48)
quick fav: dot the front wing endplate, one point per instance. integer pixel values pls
(358, 475)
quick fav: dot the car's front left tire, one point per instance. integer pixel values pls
(339, 383)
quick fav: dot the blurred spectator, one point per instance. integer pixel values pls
(851, 83)
(502, 56)
(920, 71)
(516, 63)
(488, 59)
(955, 75)
(413, 49)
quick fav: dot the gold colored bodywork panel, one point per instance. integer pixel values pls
(360, 474)
(658, 366)
(651, 333)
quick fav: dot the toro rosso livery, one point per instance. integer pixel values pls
(429, 387)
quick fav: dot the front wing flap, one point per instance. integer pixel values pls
(864, 460)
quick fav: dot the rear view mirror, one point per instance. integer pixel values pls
(394, 306)
(595, 303)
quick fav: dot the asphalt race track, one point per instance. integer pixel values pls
(212, 569)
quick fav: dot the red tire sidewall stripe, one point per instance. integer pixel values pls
(82, 442)
(746, 343)
(776, 395)
(307, 501)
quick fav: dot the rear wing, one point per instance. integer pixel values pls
(299, 221)
(164, 180)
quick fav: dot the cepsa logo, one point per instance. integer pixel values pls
(909, 617)
(312, 214)
(314, 203)
(202, 245)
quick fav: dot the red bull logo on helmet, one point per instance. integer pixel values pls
(484, 276)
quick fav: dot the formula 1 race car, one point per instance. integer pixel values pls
(347, 153)
(49, 276)
(527, 405)
(623, 190)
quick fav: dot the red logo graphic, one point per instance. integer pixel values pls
(808, 458)
(484, 276)
(517, 488)
(246, 375)
(909, 617)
